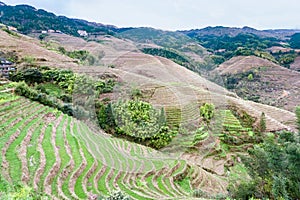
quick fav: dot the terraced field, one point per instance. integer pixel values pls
(65, 159)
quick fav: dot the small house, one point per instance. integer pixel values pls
(6, 67)
(82, 33)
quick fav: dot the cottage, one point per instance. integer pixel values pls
(82, 33)
(6, 67)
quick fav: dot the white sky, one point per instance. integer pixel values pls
(177, 14)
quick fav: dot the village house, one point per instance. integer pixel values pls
(6, 67)
(82, 33)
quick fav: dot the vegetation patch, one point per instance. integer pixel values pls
(137, 120)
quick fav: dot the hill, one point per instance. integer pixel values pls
(193, 56)
(154, 75)
(232, 31)
(253, 77)
(296, 64)
(28, 19)
(64, 158)
(69, 158)
(31, 51)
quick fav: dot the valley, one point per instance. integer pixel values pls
(144, 113)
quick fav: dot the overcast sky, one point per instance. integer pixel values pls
(177, 14)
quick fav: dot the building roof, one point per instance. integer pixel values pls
(3, 61)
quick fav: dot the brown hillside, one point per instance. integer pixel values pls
(105, 49)
(275, 85)
(164, 84)
(167, 83)
(242, 64)
(296, 64)
(25, 46)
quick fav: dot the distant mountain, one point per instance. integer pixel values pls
(232, 31)
(261, 80)
(28, 19)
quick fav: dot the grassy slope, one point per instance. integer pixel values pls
(86, 148)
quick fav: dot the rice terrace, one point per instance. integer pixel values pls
(95, 111)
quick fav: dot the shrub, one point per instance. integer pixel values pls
(207, 112)
(137, 120)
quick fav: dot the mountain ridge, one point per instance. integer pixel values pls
(111, 29)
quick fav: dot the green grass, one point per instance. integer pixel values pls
(129, 191)
(76, 157)
(52, 89)
(12, 130)
(8, 107)
(111, 180)
(32, 152)
(65, 158)
(94, 146)
(185, 185)
(150, 183)
(180, 169)
(102, 183)
(78, 185)
(90, 161)
(162, 187)
(49, 154)
(90, 182)
(15, 165)
(8, 120)
(7, 97)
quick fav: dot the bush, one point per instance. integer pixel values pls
(31, 75)
(207, 112)
(137, 120)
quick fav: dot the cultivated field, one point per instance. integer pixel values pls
(66, 159)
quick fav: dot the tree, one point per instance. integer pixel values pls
(207, 111)
(295, 41)
(136, 120)
(298, 117)
(274, 168)
(250, 77)
(262, 123)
